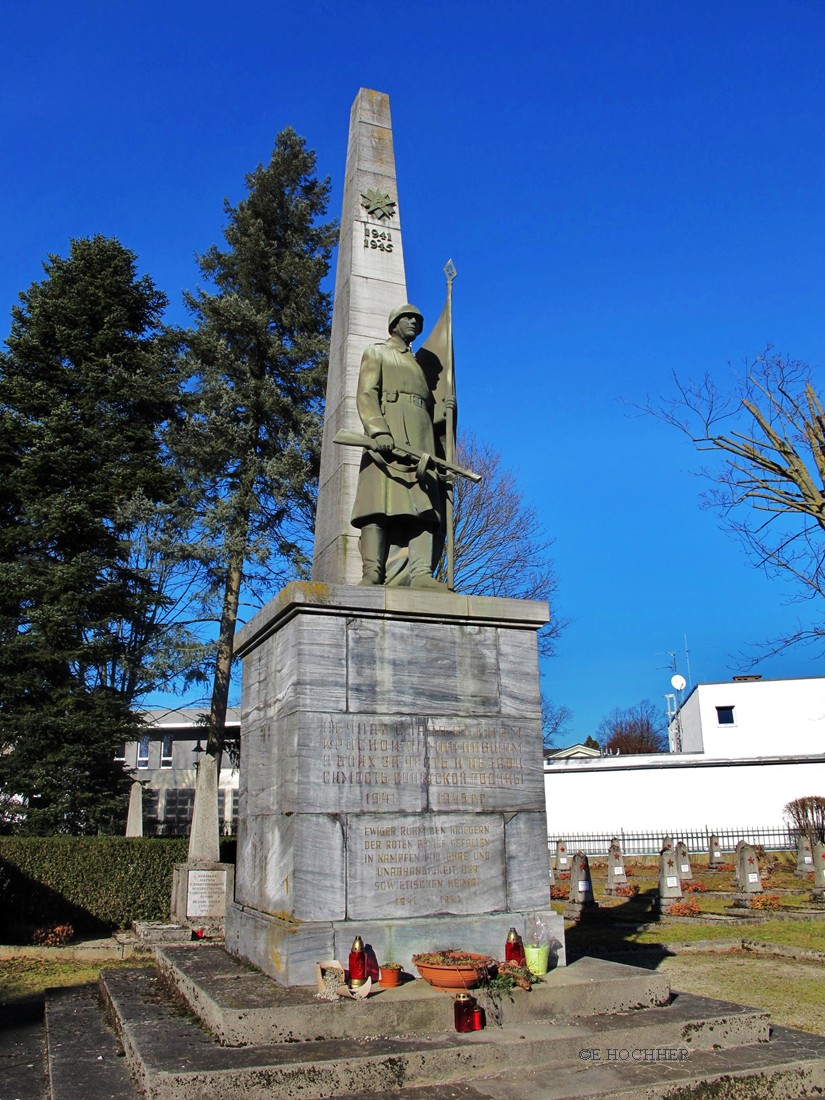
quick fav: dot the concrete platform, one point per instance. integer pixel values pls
(400, 1043)
(240, 1005)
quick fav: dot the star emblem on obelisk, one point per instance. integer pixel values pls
(378, 203)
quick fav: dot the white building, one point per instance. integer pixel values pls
(750, 717)
(748, 747)
(165, 761)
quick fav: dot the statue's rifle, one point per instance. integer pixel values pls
(353, 439)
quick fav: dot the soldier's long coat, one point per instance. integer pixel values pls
(395, 396)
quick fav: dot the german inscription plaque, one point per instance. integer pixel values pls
(425, 864)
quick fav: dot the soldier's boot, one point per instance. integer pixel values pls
(421, 563)
(373, 545)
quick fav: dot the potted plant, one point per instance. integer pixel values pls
(391, 974)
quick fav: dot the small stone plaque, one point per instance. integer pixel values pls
(619, 870)
(562, 860)
(672, 881)
(752, 876)
(807, 859)
(424, 864)
(717, 855)
(206, 894)
(583, 885)
(685, 867)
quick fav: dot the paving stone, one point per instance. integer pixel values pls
(22, 1050)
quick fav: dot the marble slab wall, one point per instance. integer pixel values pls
(392, 762)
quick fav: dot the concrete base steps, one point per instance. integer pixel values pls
(240, 1005)
(400, 1043)
(85, 1060)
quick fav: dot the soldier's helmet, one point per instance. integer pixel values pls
(399, 311)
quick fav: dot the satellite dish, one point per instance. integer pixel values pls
(679, 682)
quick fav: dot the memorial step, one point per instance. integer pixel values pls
(84, 1058)
(790, 1067)
(173, 1056)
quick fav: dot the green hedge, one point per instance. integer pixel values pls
(96, 884)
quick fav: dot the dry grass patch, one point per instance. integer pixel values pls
(792, 991)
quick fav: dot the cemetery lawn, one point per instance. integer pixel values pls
(26, 977)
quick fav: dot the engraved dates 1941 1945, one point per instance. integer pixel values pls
(378, 238)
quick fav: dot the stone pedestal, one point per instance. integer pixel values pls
(200, 892)
(391, 777)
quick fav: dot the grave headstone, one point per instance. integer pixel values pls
(737, 862)
(715, 856)
(562, 857)
(201, 885)
(580, 901)
(552, 876)
(818, 853)
(804, 856)
(670, 885)
(134, 820)
(683, 862)
(391, 780)
(748, 877)
(616, 874)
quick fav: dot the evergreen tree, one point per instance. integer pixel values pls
(258, 353)
(85, 387)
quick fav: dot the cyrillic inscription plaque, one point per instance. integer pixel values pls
(206, 894)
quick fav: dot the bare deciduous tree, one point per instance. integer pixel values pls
(808, 815)
(501, 545)
(768, 435)
(555, 719)
(636, 729)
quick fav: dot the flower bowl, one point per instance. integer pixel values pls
(452, 969)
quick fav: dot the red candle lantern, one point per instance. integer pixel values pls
(357, 963)
(514, 948)
(464, 1008)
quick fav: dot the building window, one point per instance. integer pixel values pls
(143, 753)
(166, 751)
(120, 753)
(177, 810)
(724, 716)
(150, 811)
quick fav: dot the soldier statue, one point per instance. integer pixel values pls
(399, 502)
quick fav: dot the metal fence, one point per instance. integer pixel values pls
(697, 840)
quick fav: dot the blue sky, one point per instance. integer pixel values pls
(627, 190)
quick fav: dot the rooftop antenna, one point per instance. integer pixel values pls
(674, 712)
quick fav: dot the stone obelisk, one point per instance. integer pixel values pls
(391, 782)
(369, 282)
